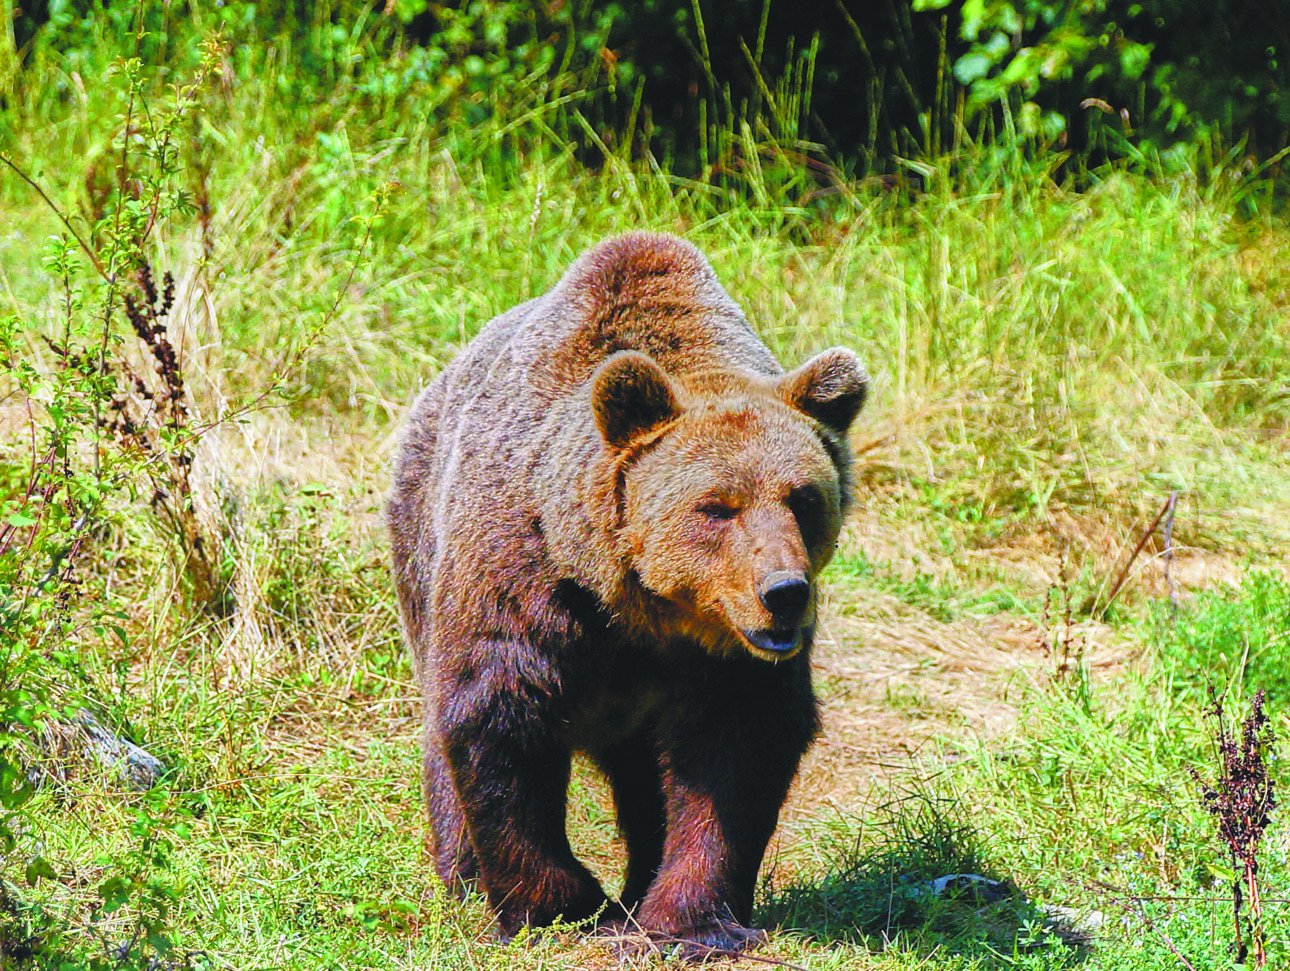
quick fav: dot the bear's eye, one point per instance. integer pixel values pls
(807, 505)
(718, 510)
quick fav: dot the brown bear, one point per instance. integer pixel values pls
(607, 518)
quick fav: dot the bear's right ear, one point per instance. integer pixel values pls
(831, 387)
(630, 396)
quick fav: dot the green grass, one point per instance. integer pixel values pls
(1047, 364)
(1237, 643)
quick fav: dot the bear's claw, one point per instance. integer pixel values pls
(709, 942)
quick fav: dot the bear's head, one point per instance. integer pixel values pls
(731, 491)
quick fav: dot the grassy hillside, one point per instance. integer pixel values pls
(1050, 366)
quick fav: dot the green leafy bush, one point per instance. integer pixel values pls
(1154, 73)
(107, 434)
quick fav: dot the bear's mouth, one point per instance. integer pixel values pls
(774, 643)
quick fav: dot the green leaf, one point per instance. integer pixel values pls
(1028, 119)
(14, 789)
(973, 14)
(971, 67)
(1134, 59)
(115, 892)
(37, 868)
(21, 519)
(1220, 872)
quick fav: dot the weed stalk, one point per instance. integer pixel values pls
(1241, 801)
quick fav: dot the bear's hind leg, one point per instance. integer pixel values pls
(454, 856)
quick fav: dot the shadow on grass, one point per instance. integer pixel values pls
(925, 887)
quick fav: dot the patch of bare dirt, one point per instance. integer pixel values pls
(893, 679)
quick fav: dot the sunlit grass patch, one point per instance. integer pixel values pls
(1235, 640)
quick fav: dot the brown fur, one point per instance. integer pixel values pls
(607, 517)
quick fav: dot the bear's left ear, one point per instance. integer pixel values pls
(831, 388)
(631, 396)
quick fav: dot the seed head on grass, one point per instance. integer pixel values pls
(1241, 801)
(158, 426)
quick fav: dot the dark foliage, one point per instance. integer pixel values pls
(899, 78)
(831, 85)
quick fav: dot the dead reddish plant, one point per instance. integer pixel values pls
(1241, 801)
(151, 417)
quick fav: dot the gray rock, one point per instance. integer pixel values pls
(971, 885)
(66, 747)
(1071, 923)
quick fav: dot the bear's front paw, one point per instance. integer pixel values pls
(720, 938)
(705, 942)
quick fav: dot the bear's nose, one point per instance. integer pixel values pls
(785, 594)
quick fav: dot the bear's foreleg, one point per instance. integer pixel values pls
(632, 768)
(511, 775)
(731, 747)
